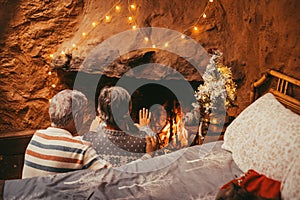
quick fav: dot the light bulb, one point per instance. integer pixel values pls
(134, 27)
(73, 45)
(49, 73)
(153, 46)
(118, 8)
(84, 34)
(51, 55)
(146, 39)
(182, 36)
(211, 1)
(107, 18)
(130, 19)
(195, 28)
(53, 85)
(133, 6)
(204, 15)
(63, 53)
(166, 44)
(94, 24)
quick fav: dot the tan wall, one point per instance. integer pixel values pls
(253, 35)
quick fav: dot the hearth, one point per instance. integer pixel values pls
(167, 108)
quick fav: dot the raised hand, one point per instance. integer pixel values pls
(144, 117)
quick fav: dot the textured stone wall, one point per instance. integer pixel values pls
(253, 36)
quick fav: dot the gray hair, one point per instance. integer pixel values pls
(64, 105)
(114, 105)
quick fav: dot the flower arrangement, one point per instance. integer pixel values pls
(219, 89)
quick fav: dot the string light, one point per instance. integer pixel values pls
(132, 6)
(131, 20)
(118, 8)
(203, 15)
(107, 18)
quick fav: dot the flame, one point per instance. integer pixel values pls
(174, 133)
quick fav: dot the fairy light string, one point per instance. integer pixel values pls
(132, 7)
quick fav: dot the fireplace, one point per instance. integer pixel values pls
(166, 114)
(166, 90)
(167, 111)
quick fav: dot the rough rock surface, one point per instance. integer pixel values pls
(253, 36)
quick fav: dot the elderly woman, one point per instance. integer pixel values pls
(57, 149)
(117, 139)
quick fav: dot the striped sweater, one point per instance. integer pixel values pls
(55, 150)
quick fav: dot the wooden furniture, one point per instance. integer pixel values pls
(285, 88)
(12, 150)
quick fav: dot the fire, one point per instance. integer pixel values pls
(173, 134)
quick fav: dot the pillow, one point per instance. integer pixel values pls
(290, 185)
(263, 137)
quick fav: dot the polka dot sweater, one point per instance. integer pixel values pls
(117, 147)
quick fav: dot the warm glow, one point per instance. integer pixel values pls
(211, 1)
(133, 6)
(134, 27)
(51, 55)
(94, 24)
(166, 44)
(174, 133)
(130, 19)
(153, 46)
(204, 15)
(50, 100)
(195, 28)
(84, 34)
(182, 36)
(146, 39)
(49, 73)
(107, 18)
(53, 85)
(63, 53)
(118, 8)
(73, 45)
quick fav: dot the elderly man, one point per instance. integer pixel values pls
(57, 149)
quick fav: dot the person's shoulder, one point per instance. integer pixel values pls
(90, 135)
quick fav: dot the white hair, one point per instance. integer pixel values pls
(64, 105)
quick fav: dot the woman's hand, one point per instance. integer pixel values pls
(144, 117)
(151, 145)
